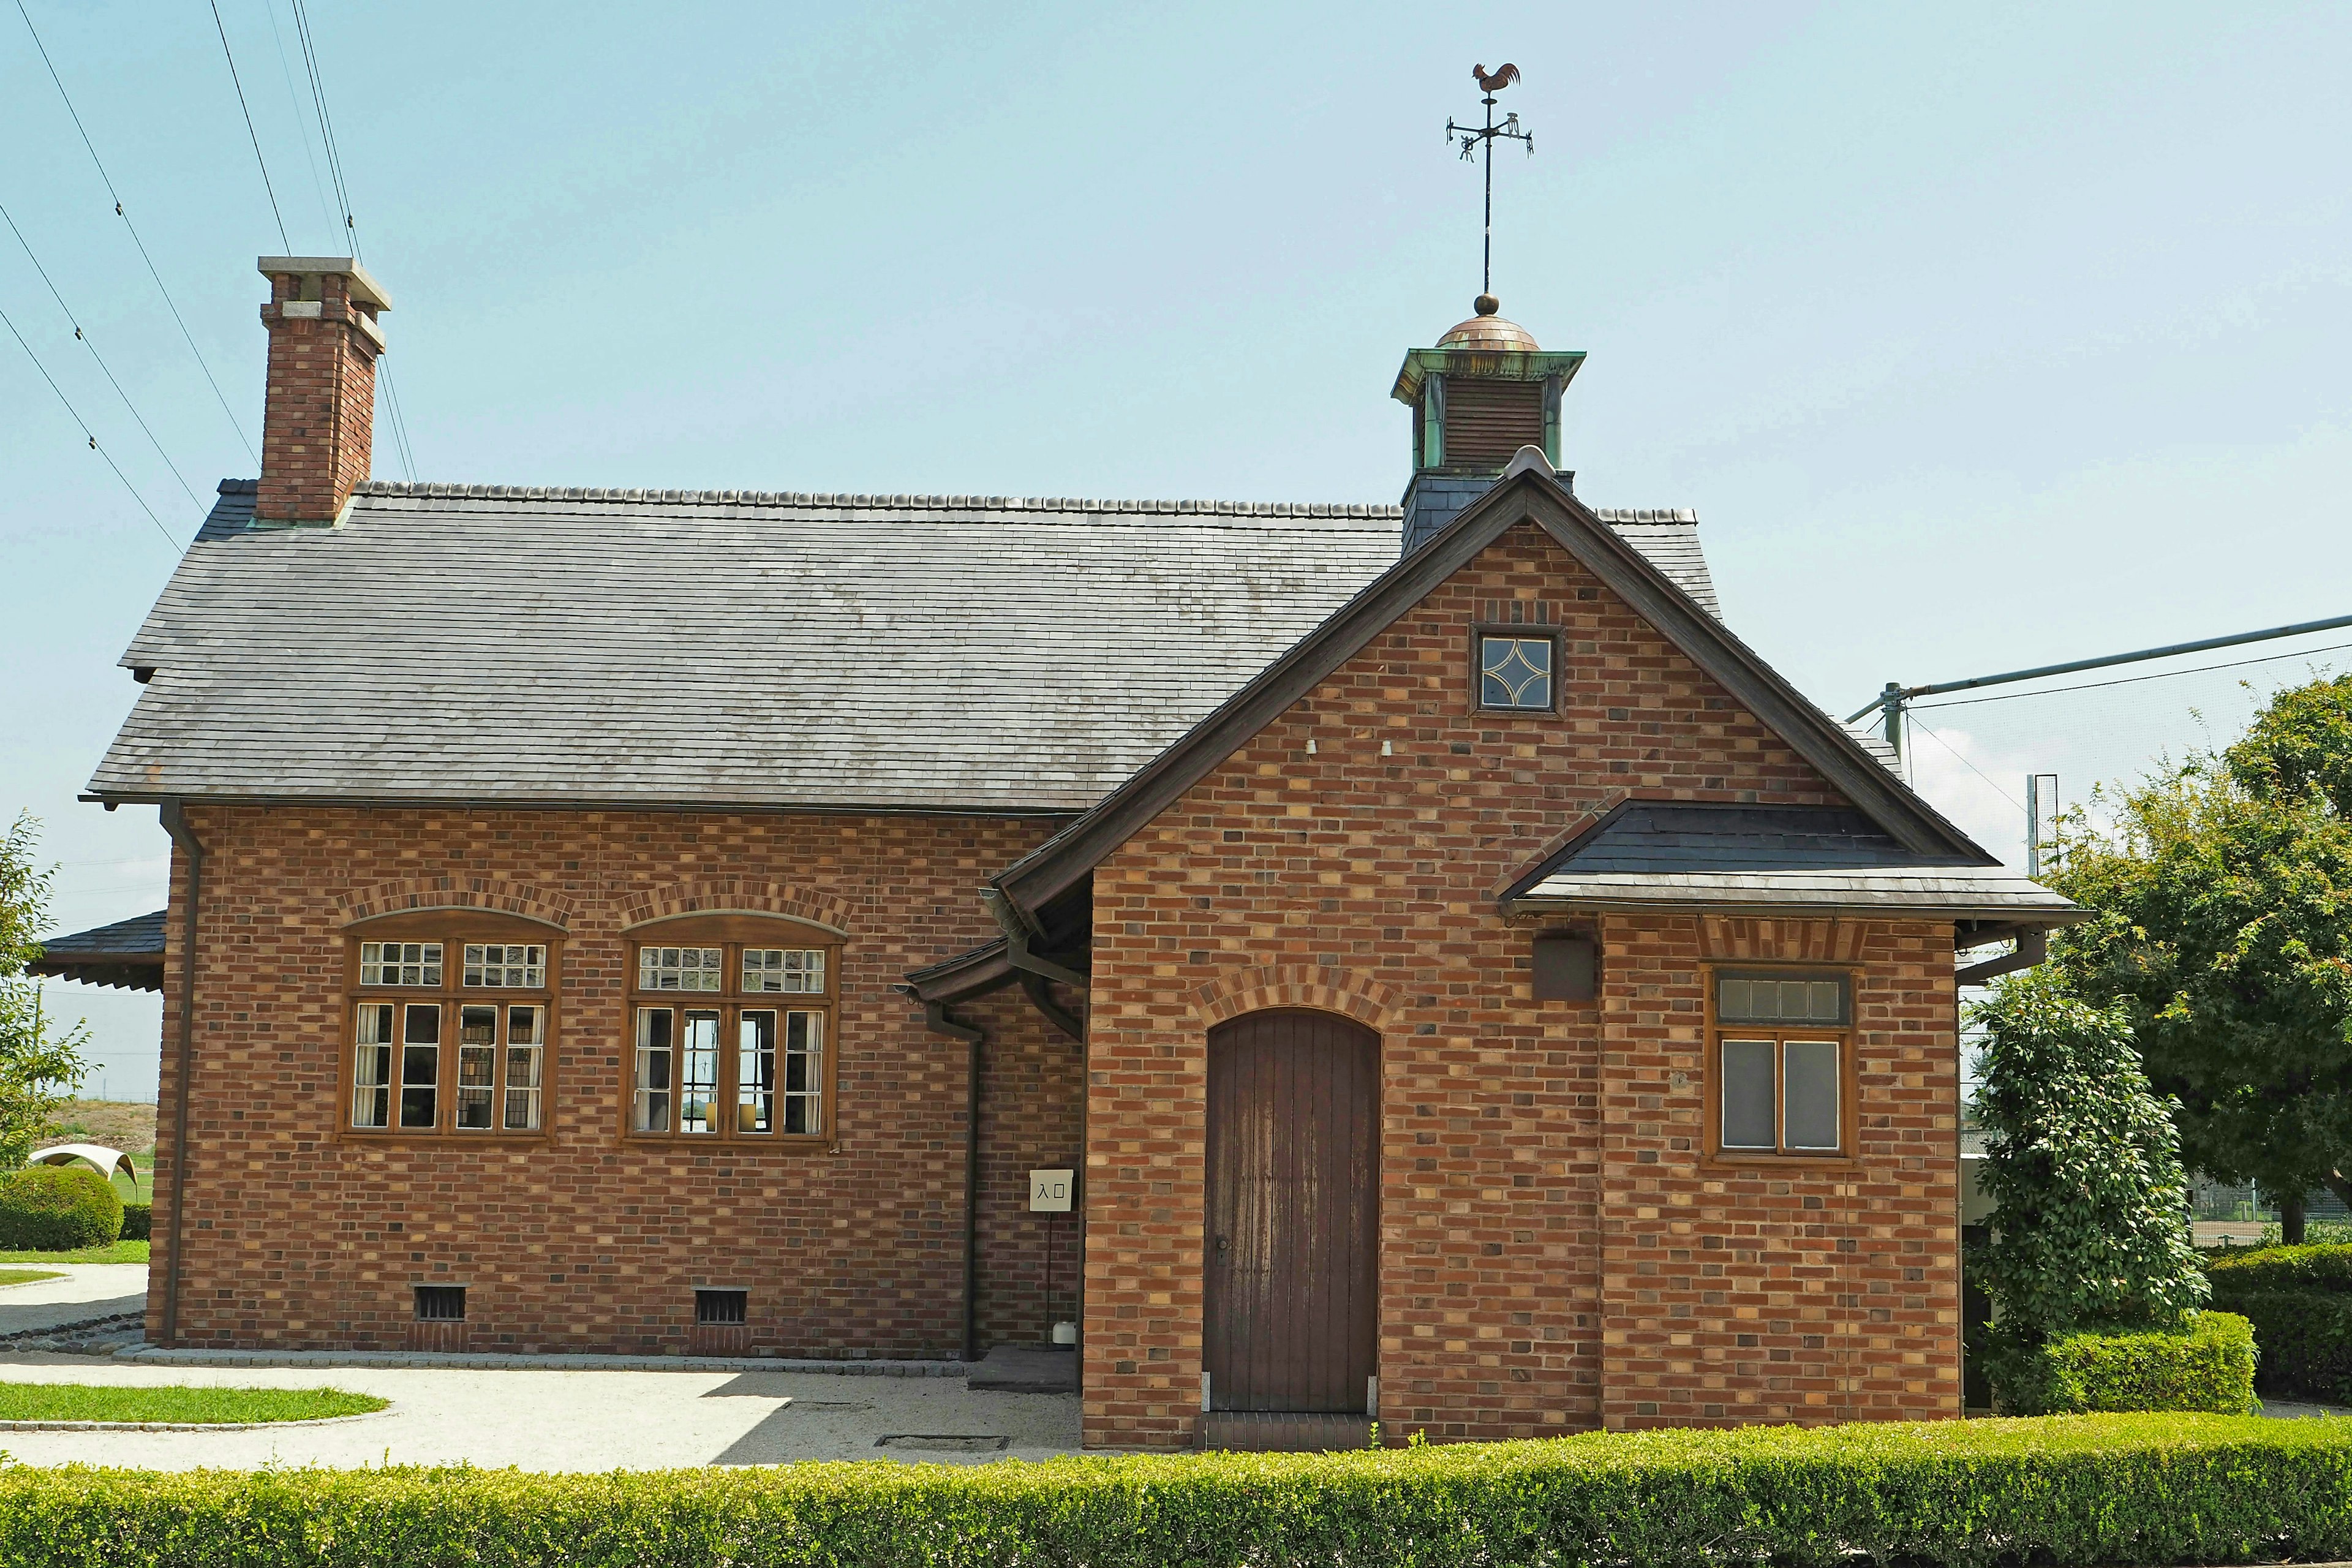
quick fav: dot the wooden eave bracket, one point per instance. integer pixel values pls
(2033, 948)
(1017, 937)
(937, 1019)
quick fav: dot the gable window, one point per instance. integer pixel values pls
(449, 1030)
(1516, 671)
(750, 1056)
(1782, 1060)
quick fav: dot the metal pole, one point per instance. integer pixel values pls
(1486, 252)
(2040, 802)
(1891, 702)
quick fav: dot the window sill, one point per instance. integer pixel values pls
(1734, 1159)
(413, 1135)
(800, 1143)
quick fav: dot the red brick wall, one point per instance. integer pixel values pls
(1367, 884)
(318, 419)
(1032, 1090)
(591, 1242)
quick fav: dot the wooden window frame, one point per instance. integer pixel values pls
(1527, 631)
(1843, 1036)
(454, 929)
(734, 933)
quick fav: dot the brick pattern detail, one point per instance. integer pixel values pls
(1541, 1172)
(1341, 990)
(1781, 941)
(317, 415)
(737, 895)
(483, 894)
(298, 1235)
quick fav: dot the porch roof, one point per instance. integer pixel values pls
(1667, 855)
(128, 954)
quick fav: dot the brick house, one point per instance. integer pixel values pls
(1471, 987)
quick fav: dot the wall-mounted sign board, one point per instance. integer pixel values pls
(1049, 1191)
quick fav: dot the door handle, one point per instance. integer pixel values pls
(1224, 1245)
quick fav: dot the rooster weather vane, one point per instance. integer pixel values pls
(1477, 137)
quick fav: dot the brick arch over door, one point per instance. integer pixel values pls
(738, 896)
(1347, 992)
(487, 894)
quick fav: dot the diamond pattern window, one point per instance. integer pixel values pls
(1514, 673)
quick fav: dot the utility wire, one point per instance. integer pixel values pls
(84, 339)
(254, 135)
(293, 102)
(1967, 764)
(94, 446)
(2129, 679)
(351, 226)
(142, 244)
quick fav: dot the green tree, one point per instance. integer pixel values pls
(39, 1064)
(2223, 926)
(2090, 1202)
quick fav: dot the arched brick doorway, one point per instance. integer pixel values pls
(1292, 1248)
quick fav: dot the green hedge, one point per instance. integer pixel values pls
(138, 1221)
(57, 1208)
(2210, 1368)
(2300, 1300)
(2058, 1493)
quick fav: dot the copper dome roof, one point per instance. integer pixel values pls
(1489, 330)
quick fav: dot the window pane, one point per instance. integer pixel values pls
(1809, 1075)
(506, 964)
(478, 1065)
(400, 963)
(782, 969)
(802, 1076)
(1515, 673)
(680, 968)
(1763, 999)
(1747, 1095)
(755, 1073)
(525, 1048)
(420, 1067)
(697, 1082)
(655, 1027)
(372, 1069)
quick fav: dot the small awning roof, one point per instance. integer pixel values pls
(128, 954)
(1662, 856)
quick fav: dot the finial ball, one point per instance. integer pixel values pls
(1487, 305)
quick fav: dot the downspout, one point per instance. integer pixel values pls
(937, 1019)
(183, 838)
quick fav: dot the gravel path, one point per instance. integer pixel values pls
(87, 1291)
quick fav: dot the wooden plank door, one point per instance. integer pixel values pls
(1293, 1239)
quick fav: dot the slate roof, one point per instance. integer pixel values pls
(502, 643)
(1661, 854)
(128, 953)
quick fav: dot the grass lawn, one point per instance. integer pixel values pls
(95, 1401)
(26, 1275)
(120, 1252)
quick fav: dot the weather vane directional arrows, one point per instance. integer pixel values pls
(1476, 138)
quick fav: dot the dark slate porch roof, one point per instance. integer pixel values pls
(128, 954)
(495, 644)
(1691, 856)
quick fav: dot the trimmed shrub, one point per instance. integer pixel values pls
(2092, 1489)
(57, 1208)
(2300, 1300)
(138, 1222)
(2210, 1368)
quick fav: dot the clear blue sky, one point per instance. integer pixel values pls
(1978, 336)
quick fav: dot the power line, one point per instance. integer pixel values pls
(94, 446)
(308, 40)
(107, 181)
(1967, 764)
(2130, 679)
(294, 101)
(226, 54)
(84, 339)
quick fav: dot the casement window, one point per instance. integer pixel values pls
(450, 1027)
(730, 1021)
(1781, 1064)
(1517, 668)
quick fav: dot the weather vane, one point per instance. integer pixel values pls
(1476, 137)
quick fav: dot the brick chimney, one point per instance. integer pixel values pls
(318, 419)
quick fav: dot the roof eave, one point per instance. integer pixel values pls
(2039, 917)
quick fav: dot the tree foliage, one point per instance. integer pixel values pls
(39, 1063)
(2090, 1202)
(2223, 893)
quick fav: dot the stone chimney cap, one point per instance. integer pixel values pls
(363, 287)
